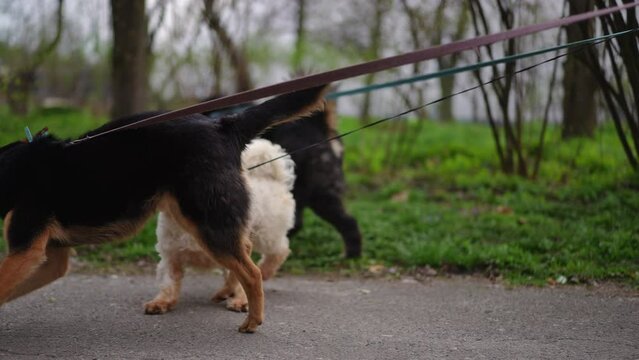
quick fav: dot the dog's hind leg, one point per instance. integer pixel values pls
(330, 208)
(24, 259)
(250, 277)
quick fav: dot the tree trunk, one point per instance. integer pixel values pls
(216, 65)
(129, 76)
(235, 54)
(300, 39)
(446, 88)
(381, 7)
(579, 105)
(459, 22)
(19, 89)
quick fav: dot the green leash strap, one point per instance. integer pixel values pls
(460, 69)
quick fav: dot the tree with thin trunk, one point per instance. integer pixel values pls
(129, 60)
(445, 23)
(300, 37)
(234, 52)
(381, 7)
(460, 25)
(508, 91)
(20, 83)
(579, 105)
(619, 78)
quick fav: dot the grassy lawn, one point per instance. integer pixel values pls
(443, 203)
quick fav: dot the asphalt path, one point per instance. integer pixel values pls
(101, 317)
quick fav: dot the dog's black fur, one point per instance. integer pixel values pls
(319, 181)
(106, 187)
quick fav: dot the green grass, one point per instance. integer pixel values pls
(63, 123)
(444, 203)
(447, 206)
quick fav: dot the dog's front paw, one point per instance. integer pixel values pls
(250, 325)
(158, 307)
(237, 304)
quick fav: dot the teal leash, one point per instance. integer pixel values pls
(461, 69)
(584, 45)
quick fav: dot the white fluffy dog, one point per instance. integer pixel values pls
(272, 215)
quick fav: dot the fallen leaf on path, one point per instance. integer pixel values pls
(376, 269)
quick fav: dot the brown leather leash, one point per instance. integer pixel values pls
(361, 69)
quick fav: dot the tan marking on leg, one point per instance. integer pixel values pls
(330, 111)
(270, 263)
(76, 235)
(19, 266)
(55, 267)
(250, 277)
(5, 230)
(169, 205)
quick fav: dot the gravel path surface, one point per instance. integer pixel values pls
(101, 317)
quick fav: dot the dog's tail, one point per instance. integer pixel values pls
(260, 151)
(288, 107)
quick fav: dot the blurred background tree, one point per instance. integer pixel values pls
(121, 57)
(21, 77)
(579, 104)
(129, 59)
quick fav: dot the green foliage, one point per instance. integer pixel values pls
(445, 204)
(62, 122)
(458, 211)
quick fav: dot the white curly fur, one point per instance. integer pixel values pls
(271, 216)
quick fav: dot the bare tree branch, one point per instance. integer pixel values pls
(236, 56)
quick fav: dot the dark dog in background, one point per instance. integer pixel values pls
(319, 182)
(54, 195)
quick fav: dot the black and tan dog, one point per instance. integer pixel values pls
(319, 174)
(54, 195)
